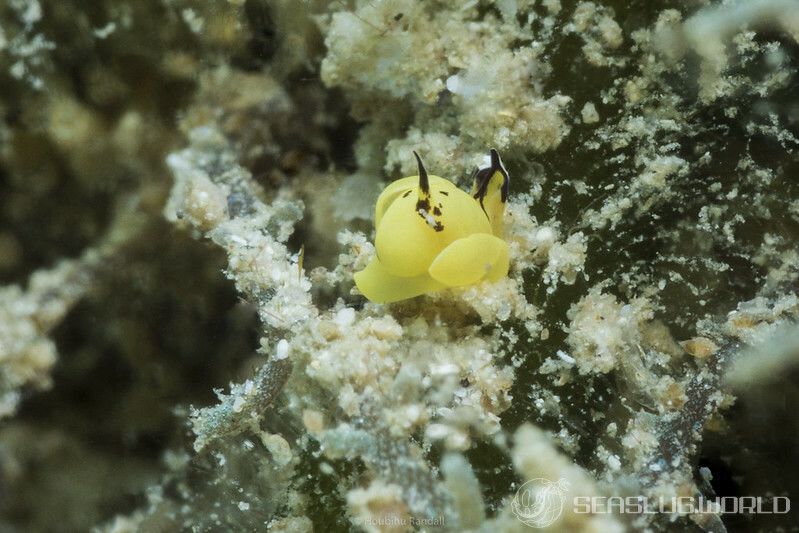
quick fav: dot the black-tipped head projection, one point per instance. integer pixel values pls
(424, 181)
(484, 176)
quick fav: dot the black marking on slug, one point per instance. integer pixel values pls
(445, 193)
(484, 210)
(496, 163)
(409, 191)
(423, 210)
(479, 199)
(438, 226)
(424, 181)
(484, 175)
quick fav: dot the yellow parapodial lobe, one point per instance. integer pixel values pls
(471, 259)
(431, 235)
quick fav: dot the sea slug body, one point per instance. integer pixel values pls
(431, 235)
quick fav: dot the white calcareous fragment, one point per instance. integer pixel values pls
(345, 317)
(589, 113)
(282, 349)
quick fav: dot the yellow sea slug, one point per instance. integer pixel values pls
(431, 235)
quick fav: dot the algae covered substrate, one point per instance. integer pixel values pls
(188, 187)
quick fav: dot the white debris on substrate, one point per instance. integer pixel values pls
(756, 320)
(123, 524)
(27, 353)
(388, 376)
(534, 245)
(356, 252)
(602, 331)
(421, 373)
(606, 335)
(465, 489)
(497, 103)
(493, 302)
(365, 379)
(649, 188)
(601, 34)
(441, 152)
(709, 32)
(651, 119)
(206, 194)
(26, 50)
(534, 457)
(659, 448)
(776, 354)
(589, 114)
(379, 508)
(565, 261)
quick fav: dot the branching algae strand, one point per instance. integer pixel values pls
(431, 235)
